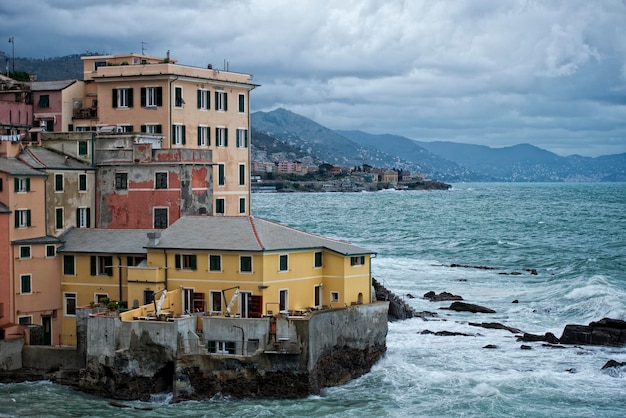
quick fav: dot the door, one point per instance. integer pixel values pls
(187, 301)
(318, 296)
(244, 304)
(46, 323)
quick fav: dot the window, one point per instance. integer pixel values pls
(221, 137)
(22, 218)
(219, 206)
(125, 128)
(25, 284)
(51, 251)
(242, 205)
(357, 261)
(242, 103)
(122, 98)
(160, 181)
(216, 301)
(58, 218)
(334, 296)
(99, 296)
(98, 64)
(25, 252)
(69, 268)
(151, 96)
(160, 218)
(25, 320)
(186, 262)
(83, 149)
(70, 304)
(178, 97)
(283, 262)
(215, 263)
(242, 174)
(245, 264)
(49, 125)
(204, 99)
(318, 259)
(242, 138)
(151, 128)
(58, 182)
(101, 265)
(204, 136)
(221, 347)
(44, 100)
(148, 296)
(22, 184)
(283, 299)
(121, 181)
(82, 182)
(178, 135)
(221, 100)
(134, 261)
(221, 174)
(83, 218)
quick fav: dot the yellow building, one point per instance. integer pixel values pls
(190, 107)
(242, 266)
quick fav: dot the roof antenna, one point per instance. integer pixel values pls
(143, 49)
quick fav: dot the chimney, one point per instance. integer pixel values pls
(153, 238)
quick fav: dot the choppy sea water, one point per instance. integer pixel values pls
(574, 235)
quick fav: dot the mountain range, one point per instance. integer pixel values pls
(439, 160)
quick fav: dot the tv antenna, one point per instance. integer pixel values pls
(143, 49)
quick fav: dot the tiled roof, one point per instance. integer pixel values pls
(4, 208)
(245, 233)
(39, 157)
(105, 241)
(39, 240)
(51, 85)
(18, 168)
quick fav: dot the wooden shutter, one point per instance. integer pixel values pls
(184, 135)
(94, 270)
(114, 96)
(199, 133)
(225, 136)
(159, 96)
(108, 262)
(199, 98)
(130, 97)
(177, 264)
(144, 128)
(88, 216)
(225, 101)
(143, 97)
(193, 262)
(28, 217)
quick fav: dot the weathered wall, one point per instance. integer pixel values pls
(11, 354)
(50, 358)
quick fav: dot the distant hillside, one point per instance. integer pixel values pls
(49, 69)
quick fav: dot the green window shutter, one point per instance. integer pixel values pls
(217, 95)
(108, 262)
(225, 136)
(16, 185)
(193, 261)
(173, 134)
(178, 256)
(93, 265)
(159, 129)
(28, 217)
(114, 96)
(130, 97)
(28, 184)
(17, 220)
(88, 215)
(184, 135)
(242, 106)
(225, 101)
(237, 137)
(208, 135)
(144, 128)
(199, 98)
(199, 133)
(208, 99)
(245, 134)
(159, 96)
(143, 97)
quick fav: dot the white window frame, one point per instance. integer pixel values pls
(151, 96)
(80, 176)
(204, 135)
(280, 267)
(22, 216)
(30, 252)
(182, 100)
(242, 174)
(242, 138)
(21, 185)
(239, 96)
(178, 134)
(81, 222)
(204, 99)
(30, 284)
(123, 97)
(59, 175)
(55, 251)
(212, 307)
(220, 136)
(68, 296)
(286, 292)
(220, 100)
(334, 296)
(151, 128)
(220, 258)
(251, 264)
(30, 320)
(220, 199)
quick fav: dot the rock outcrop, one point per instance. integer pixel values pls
(443, 296)
(495, 325)
(398, 309)
(468, 307)
(610, 332)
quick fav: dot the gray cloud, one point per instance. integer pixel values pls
(497, 73)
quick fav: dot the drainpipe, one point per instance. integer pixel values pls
(119, 272)
(165, 255)
(169, 135)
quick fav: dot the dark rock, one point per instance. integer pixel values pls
(613, 363)
(398, 309)
(445, 333)
(473, 267)
(516, 273)
(462, 280)
(525, 347)
(410, 296)
(515, 301)
(495, 325)
(468, 307)
(490, 346)
(572, 370)
(610, 332)
(547, 337)
(443, 296)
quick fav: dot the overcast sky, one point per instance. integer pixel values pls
(490, 72)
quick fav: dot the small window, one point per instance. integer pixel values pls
(284, 262)
(99, 296)
(242, 205)
(219, 206)
(101, 265)
(216, 301)
(82, 148)
(58, 218)
(160, 218)
(221, 174)
(70, 304)
(25, 320)
(58, 182)
(98, 64)
(204, 99)
(82, 182)
(22, 218)
(242, 103)
(160, 181)
(204, 139)
(221, 101)
(334, 296)
(242, 174)
(221, 137)
(242, 138)
(152, 128)
(44, 100)
(151, 96)
(318, 259)
(178, 97)
(179, 135)
(148, 296)
(215, 263)
(186, 262)
(51, 251)
(357, 261)
(121, 181)
(22, 184)
(245, 264)
(25, 284)
(69, 268)
(83, 218)
(283, 299)
(122, 98)
(25, 252)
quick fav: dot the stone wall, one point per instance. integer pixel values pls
(11, 354)
(49, 358)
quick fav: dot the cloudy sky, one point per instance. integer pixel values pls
(494, 72)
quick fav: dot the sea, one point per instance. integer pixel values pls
(572, 234)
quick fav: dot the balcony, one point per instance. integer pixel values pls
(85, 113)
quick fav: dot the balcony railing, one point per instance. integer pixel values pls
(85, 113)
